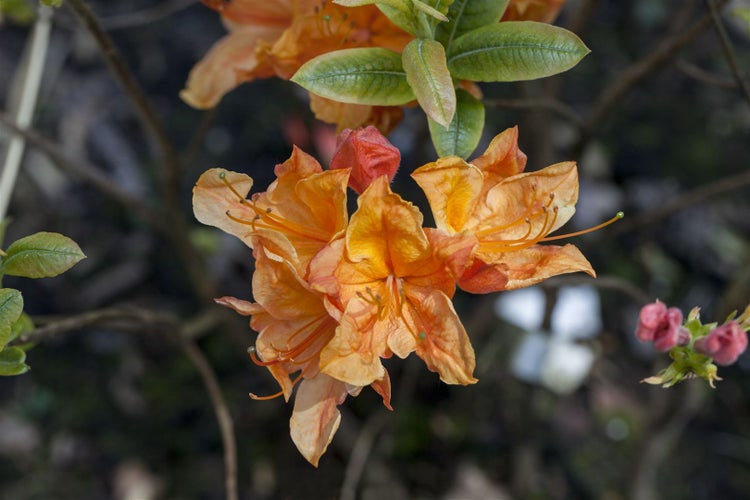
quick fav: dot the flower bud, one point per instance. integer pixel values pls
(368, 153)
(724, 343)
(661, 326)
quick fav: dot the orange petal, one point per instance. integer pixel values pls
(481, 277)
(315, 418)
(383, 388)
(230, 62)
(540, 262)
(452, 187)
(442, 341)
(212, 199)
(368, 154)
(502, 158)
(385, 234)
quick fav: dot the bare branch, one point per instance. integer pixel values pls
(729, 53)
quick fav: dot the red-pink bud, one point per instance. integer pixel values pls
(724, 343)
(368, 153)
(661, 326)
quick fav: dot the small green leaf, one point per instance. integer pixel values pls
(22, 325)
(465, 131)
(432, 11)
(513, 51)
(19, 11)
(41, 255)
(467, 15)
(361, 76)
(744, 15)
(11, 307)
(53, 3)
(428, 76)
(12, 362)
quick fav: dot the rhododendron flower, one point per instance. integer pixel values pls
(294, 326)
(491, 217)
(302, 210)
(724, 343)
(662, 326)
(544, 11)
(274, 38)
(391, 294)
(368, 154)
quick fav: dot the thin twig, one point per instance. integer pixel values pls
(558, 107)
(638, 71)
(360, 453)
(726, 44)
(29, 94)
(162, 322)
(146, 16)
(704, 76)
(86, 172)
(686, 199)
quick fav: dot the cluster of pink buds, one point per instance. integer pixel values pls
(693, 346)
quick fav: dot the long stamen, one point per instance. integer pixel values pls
(529, 214)
(618, 216)
(275, 395)
(289, 355)
(524, 242)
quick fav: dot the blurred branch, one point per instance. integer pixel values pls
(726, 44)
(39, 41)
(638, 71)
(146, 16)
(88, 173)
(360, 454)
(602, 282)
(558, 107)
(704, 76)
(689, 198)
(162, 322)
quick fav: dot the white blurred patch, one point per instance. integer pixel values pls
(553, 360)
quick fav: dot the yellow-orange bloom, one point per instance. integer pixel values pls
(492, 217)
(302, 210)
(294, 326)
(274, 38)
(391, 294)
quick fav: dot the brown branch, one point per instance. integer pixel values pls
(637, 72)
(146, 16)
(163, 323)
(726, 44)
(686, 199)
(704, 76)
(86, 172)
(558, 107)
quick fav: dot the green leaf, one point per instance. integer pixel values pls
(513, 51)
(465, 131)
(396, 4)
(432, 11)
(11, 307)
(12, 362)
(19, 11)
(361, 76)
(41, 255)
(53, 3)
(22, 325)
(428, 76)
(744, 15)
(467, 15)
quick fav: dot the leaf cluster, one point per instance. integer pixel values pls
(40, 255)
(455, 41)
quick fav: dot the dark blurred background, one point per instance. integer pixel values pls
(110, 412)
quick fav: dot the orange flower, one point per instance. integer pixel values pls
(544, 11)
(390, 293)
(302, 210)
(277, 37)
(294, 326)
(492, 217)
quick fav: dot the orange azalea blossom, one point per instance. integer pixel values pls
(294, 326)
(544, 11)
(391, 294)
(491, 217)
(274, 38)
(302, 210)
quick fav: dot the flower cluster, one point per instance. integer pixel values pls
(693, 346)
(333, 294)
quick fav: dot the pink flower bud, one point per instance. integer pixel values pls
(661, 326)
(368, 153)
(724, 343)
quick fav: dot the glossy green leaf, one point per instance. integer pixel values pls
(11, 307)
(428, 76)
(467, 15)
(12, 362)
(404, 19)
(41, 255)
(465, 131)
(361, 76)
(513, 51)
(433, 11)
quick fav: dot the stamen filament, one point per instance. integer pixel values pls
(275, 395)
(617, 217)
